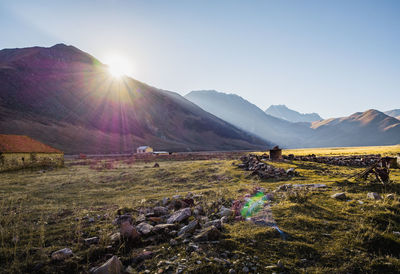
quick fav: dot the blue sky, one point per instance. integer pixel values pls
(331, 57)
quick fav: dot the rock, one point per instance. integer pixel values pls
(144, 228)
(112, 266)
(232, 271)
(130, 270)
(145, 255)
(165, 201)
(92, 241)
(91, 220)
(291, 172)
(179, 216)
(163, 228)
(156, 220)
(173, 242)
(191, 248)
(128, 231)
(115, 237)
(160, 211)
(122, 218)
(62, 254)
(156, 165)
(279, 264)
(224, 220)
(188, 228)
(226, 212)
(217, 223)
(339, 196)
(390, 196)
(374, 196)
(245, 269)
(140, 219)
(210, 233)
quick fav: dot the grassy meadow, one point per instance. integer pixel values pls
(42, 212)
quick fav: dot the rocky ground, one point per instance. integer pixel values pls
(197, 217)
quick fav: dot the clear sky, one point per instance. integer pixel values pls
(332, 57)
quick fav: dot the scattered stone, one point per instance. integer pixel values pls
(163, 228)
(128, 231)
(217, 223)
(115, 237)
(122, 218)
(112, 266)
(245, 269)
(208, 234)
(179, 216)
(191, 248)
(160, 211)
(61, 254)
(374, 196)
(92, 241)
(188, 228)
(144, 228)
(232, 271)
(145, 255)
(130, 270)
(339, 196)
(156, 165)
(173, 242)
(91, 220)
(226, 212)
(279, 264)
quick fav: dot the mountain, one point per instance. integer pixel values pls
(66, 98)
(283, 112)
(247, 116)
(394, 113)
(367, 128)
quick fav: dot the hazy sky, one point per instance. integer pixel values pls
(331, 57)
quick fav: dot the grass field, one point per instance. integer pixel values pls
(44, 212)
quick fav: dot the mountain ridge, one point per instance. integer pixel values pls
(66, 98)
(285, 113)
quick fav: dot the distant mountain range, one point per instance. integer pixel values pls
(283, 112)
(394, 113)
(247, 116)
(371, 127)
(66, 98)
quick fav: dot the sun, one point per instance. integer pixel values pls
(118, 66)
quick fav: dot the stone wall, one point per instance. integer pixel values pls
(13, 161)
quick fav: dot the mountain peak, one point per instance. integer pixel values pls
(285, 113)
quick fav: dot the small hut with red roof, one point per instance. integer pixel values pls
(18, 151)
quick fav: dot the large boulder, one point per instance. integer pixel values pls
(179, 216)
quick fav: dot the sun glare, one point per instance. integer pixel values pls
(118, 66)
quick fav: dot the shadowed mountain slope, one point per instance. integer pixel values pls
(66, 98)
